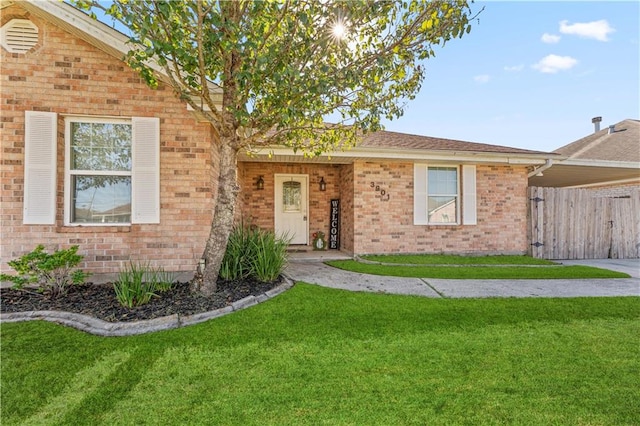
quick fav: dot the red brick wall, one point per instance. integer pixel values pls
(387, 226)
(372, 224)
(68, 76)
(257, 207)
(346, 209)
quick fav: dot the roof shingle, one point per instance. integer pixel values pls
(621, 145)
(402, 141)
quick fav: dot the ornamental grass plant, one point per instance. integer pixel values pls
(255, 253)
(137, 283)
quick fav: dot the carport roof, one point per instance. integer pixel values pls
(604, 157)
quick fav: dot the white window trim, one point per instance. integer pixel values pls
(457, 195)
(421, 195)
(67, 167)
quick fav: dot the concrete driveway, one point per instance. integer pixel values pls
(316, 272)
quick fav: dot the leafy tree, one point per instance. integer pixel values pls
(279, 68)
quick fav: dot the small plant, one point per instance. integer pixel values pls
(164, 279)
(269, 256)
(235, 261)
(138, 283)
(252, 252)
(51, 273)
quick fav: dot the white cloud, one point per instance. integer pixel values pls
(551, 64)
(514, 68)
(598, 30)
(484, 78)
(550, 38)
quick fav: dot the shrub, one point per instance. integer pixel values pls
(51, 273)
(138, 283)
(269, 256)
(256, 253)
(235, 263)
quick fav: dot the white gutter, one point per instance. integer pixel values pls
(538, 171)
(368, 154)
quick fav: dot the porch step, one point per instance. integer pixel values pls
(307, 254)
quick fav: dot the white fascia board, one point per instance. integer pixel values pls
(419, 155)
(608, 183)
(601, 163)
(82, 22)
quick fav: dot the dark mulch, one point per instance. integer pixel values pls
(99, 300)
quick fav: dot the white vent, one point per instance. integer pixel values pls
(19, 35)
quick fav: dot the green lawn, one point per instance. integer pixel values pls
(458, 267)
(315, 355)
(449, 259)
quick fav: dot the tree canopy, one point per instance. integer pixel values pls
(282, 65)
(271, 72)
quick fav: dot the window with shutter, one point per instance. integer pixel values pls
(112, 171)
(437, 195)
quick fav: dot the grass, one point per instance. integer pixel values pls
(315, 355)
(449, 259)
(461, 267)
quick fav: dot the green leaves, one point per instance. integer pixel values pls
(51, 273)
(280, 66)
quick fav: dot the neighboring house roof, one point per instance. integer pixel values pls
(621, 144)
(611, 155)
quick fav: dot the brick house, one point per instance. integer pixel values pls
(92, 156)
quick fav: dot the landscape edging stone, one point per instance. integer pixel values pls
(100, 327)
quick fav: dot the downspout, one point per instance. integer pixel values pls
(539, 170)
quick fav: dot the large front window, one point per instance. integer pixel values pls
(99, 171)
(442, 195)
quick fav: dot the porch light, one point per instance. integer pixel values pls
(260, 183)
(323, 184)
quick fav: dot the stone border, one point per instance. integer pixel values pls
(450, 265)
(111, 329)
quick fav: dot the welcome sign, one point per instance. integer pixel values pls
(334, 225)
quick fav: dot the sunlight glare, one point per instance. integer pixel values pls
(339, 30)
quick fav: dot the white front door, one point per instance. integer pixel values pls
(291, 206)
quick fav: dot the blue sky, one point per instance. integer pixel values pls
(500, 84)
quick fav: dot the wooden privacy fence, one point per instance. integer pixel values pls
(573, 224)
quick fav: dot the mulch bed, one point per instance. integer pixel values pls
(99, 300)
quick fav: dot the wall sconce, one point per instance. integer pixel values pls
(323, 184)
(260, 183)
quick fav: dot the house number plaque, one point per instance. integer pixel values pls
(382, 193)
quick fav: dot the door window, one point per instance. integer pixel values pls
(291, 196)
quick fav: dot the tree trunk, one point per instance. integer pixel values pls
(223, 217)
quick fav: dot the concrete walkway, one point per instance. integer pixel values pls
(313, 271)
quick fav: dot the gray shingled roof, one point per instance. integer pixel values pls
(621, 145)
(402, 141)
